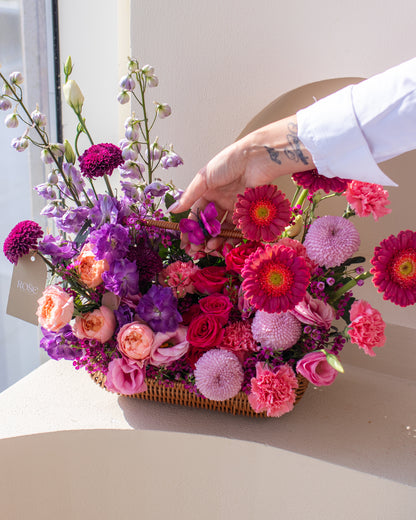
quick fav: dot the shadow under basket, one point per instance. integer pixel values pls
(177, 394)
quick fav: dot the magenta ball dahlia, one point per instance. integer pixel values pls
(331, 240)
(218, 375)
(100, 159)
(276, 331)
(21, 240)
(394, 268)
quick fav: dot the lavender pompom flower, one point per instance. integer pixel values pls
(159, 309)
(61, 345)
(22, 239)
(122, 278)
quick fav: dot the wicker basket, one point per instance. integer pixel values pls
(177, 394)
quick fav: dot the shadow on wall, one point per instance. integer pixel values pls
(401, 169)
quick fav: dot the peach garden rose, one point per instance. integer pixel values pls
(55, 308)
(98, 324)
(135, 341)
(89, 268)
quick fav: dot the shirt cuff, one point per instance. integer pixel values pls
(330, 131)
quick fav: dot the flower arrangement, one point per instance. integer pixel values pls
(124, 299)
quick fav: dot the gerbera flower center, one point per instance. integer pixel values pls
(275, 279)
(403, 268)
(263, 212)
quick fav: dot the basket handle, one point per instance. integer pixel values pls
(165, 224)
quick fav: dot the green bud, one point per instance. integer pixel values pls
(70, 156)
(334, 362)
(73, 95)
(68, 67)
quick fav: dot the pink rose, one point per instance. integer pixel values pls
(169, 346)
(236, 256)
(99, 324)
(205, 331)
(178, 275)
(125, 376)
(367, 327)
(316, 369)
(89, 268)
(367, 199)
(314, 312)
(210, 279)
(135, 341)
(55, 308)
(217, 305)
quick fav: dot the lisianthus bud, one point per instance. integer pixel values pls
(148, 70)
(5, 104)
(12, 120)
(53, 178)
(38, 118)
(73, 95)
(70, 156)
(153, 81)
(127, 83)
(123, 97)
(16, 78)
(68, 66)
(163, 110)
(20, 143)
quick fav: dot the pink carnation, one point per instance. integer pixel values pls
(238, 337)
(368, 199)
(367, 327)
(178, 275)
(314, 312)
(273, 392)
(125, 377)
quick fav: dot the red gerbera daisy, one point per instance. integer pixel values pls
(394, 268)
(262, 213)
(275, 278)
(311, 180)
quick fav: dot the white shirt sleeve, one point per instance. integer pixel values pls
(350, 131)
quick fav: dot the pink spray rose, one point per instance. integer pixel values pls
(367, 327)
(99, 324)
(316, 369)
(217, 305)
(168, 347)
(273, 392)
(178, 275)
(55, 308)
(89, 268)
(135, 341)
(125, 376)
(314, 312)
(367, 199)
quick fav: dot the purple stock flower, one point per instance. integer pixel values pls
(122, 278)
(61, 345)
(73, 219)
(157, 189)
(110, 242)
(57, 248)
(159, 308)
(105, 209)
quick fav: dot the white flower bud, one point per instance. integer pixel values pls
(73, 95)
(46, 156)
(131, 152)
(20, 143)
(123, 97)
(58, 149)
(163, 110)
(70, 156)
(7, 91)
(16, 78)
(148, 70)
(127, 83)
(5, 104)
(155, 151)
(132, 133)
(38, 118)
(53, 178)
(133, 65)
(12, 120)
(153, 81)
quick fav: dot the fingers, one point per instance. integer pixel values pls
(194, 191)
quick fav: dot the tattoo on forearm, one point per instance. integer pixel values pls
(294, 151)
(274, 155)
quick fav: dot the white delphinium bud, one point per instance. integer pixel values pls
(163, 110)
(132, 133)
(16, 78)
(153, 81)
(133, 65)
(132, 170)
(20, 143)
(73, 95)
(7, 91)
(5, 104)
(53, 178)
(127, 83)
(131, 151)
(12, 121)
(123, 97)
(38, 118)
(148, 70)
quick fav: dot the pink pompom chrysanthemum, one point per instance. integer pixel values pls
(100, 159)
(394, 268)
(218, 375)
(273, 392)
(275, 279)
(311, 180)
(21, 240)
(276, 331)
(368, 199)
(262, 213)
(331, 240)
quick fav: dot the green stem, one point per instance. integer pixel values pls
(349, 285)
(146, 132)
(302, 197)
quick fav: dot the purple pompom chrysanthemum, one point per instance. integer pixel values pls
(218, 375)
(22, 239)
(331, 240)
(100, 159)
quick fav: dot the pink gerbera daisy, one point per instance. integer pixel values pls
(262, 213)
(22, 239)
(331, 240)
(394, 268)
(275, 278)
(311, 180)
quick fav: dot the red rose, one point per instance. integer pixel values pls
(205, 331)
(209, 279)
(190, 314)
(217, 305)
(235, 259)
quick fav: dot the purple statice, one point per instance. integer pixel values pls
(73, 219)
(159, 308)
(156, 189)
(100, 159)
(22, 239)
(74, 178)
(110, 242)
(122, 278)
(62, 344)
(124, 314)
(57, 249)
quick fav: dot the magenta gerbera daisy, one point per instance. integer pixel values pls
(218, 375)
(22, 239)
(394, 268)
(311, 180)
(275, 278)
(262, 213)
(331, 240)
(100, 159)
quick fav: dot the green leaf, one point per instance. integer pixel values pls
(334, 362)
